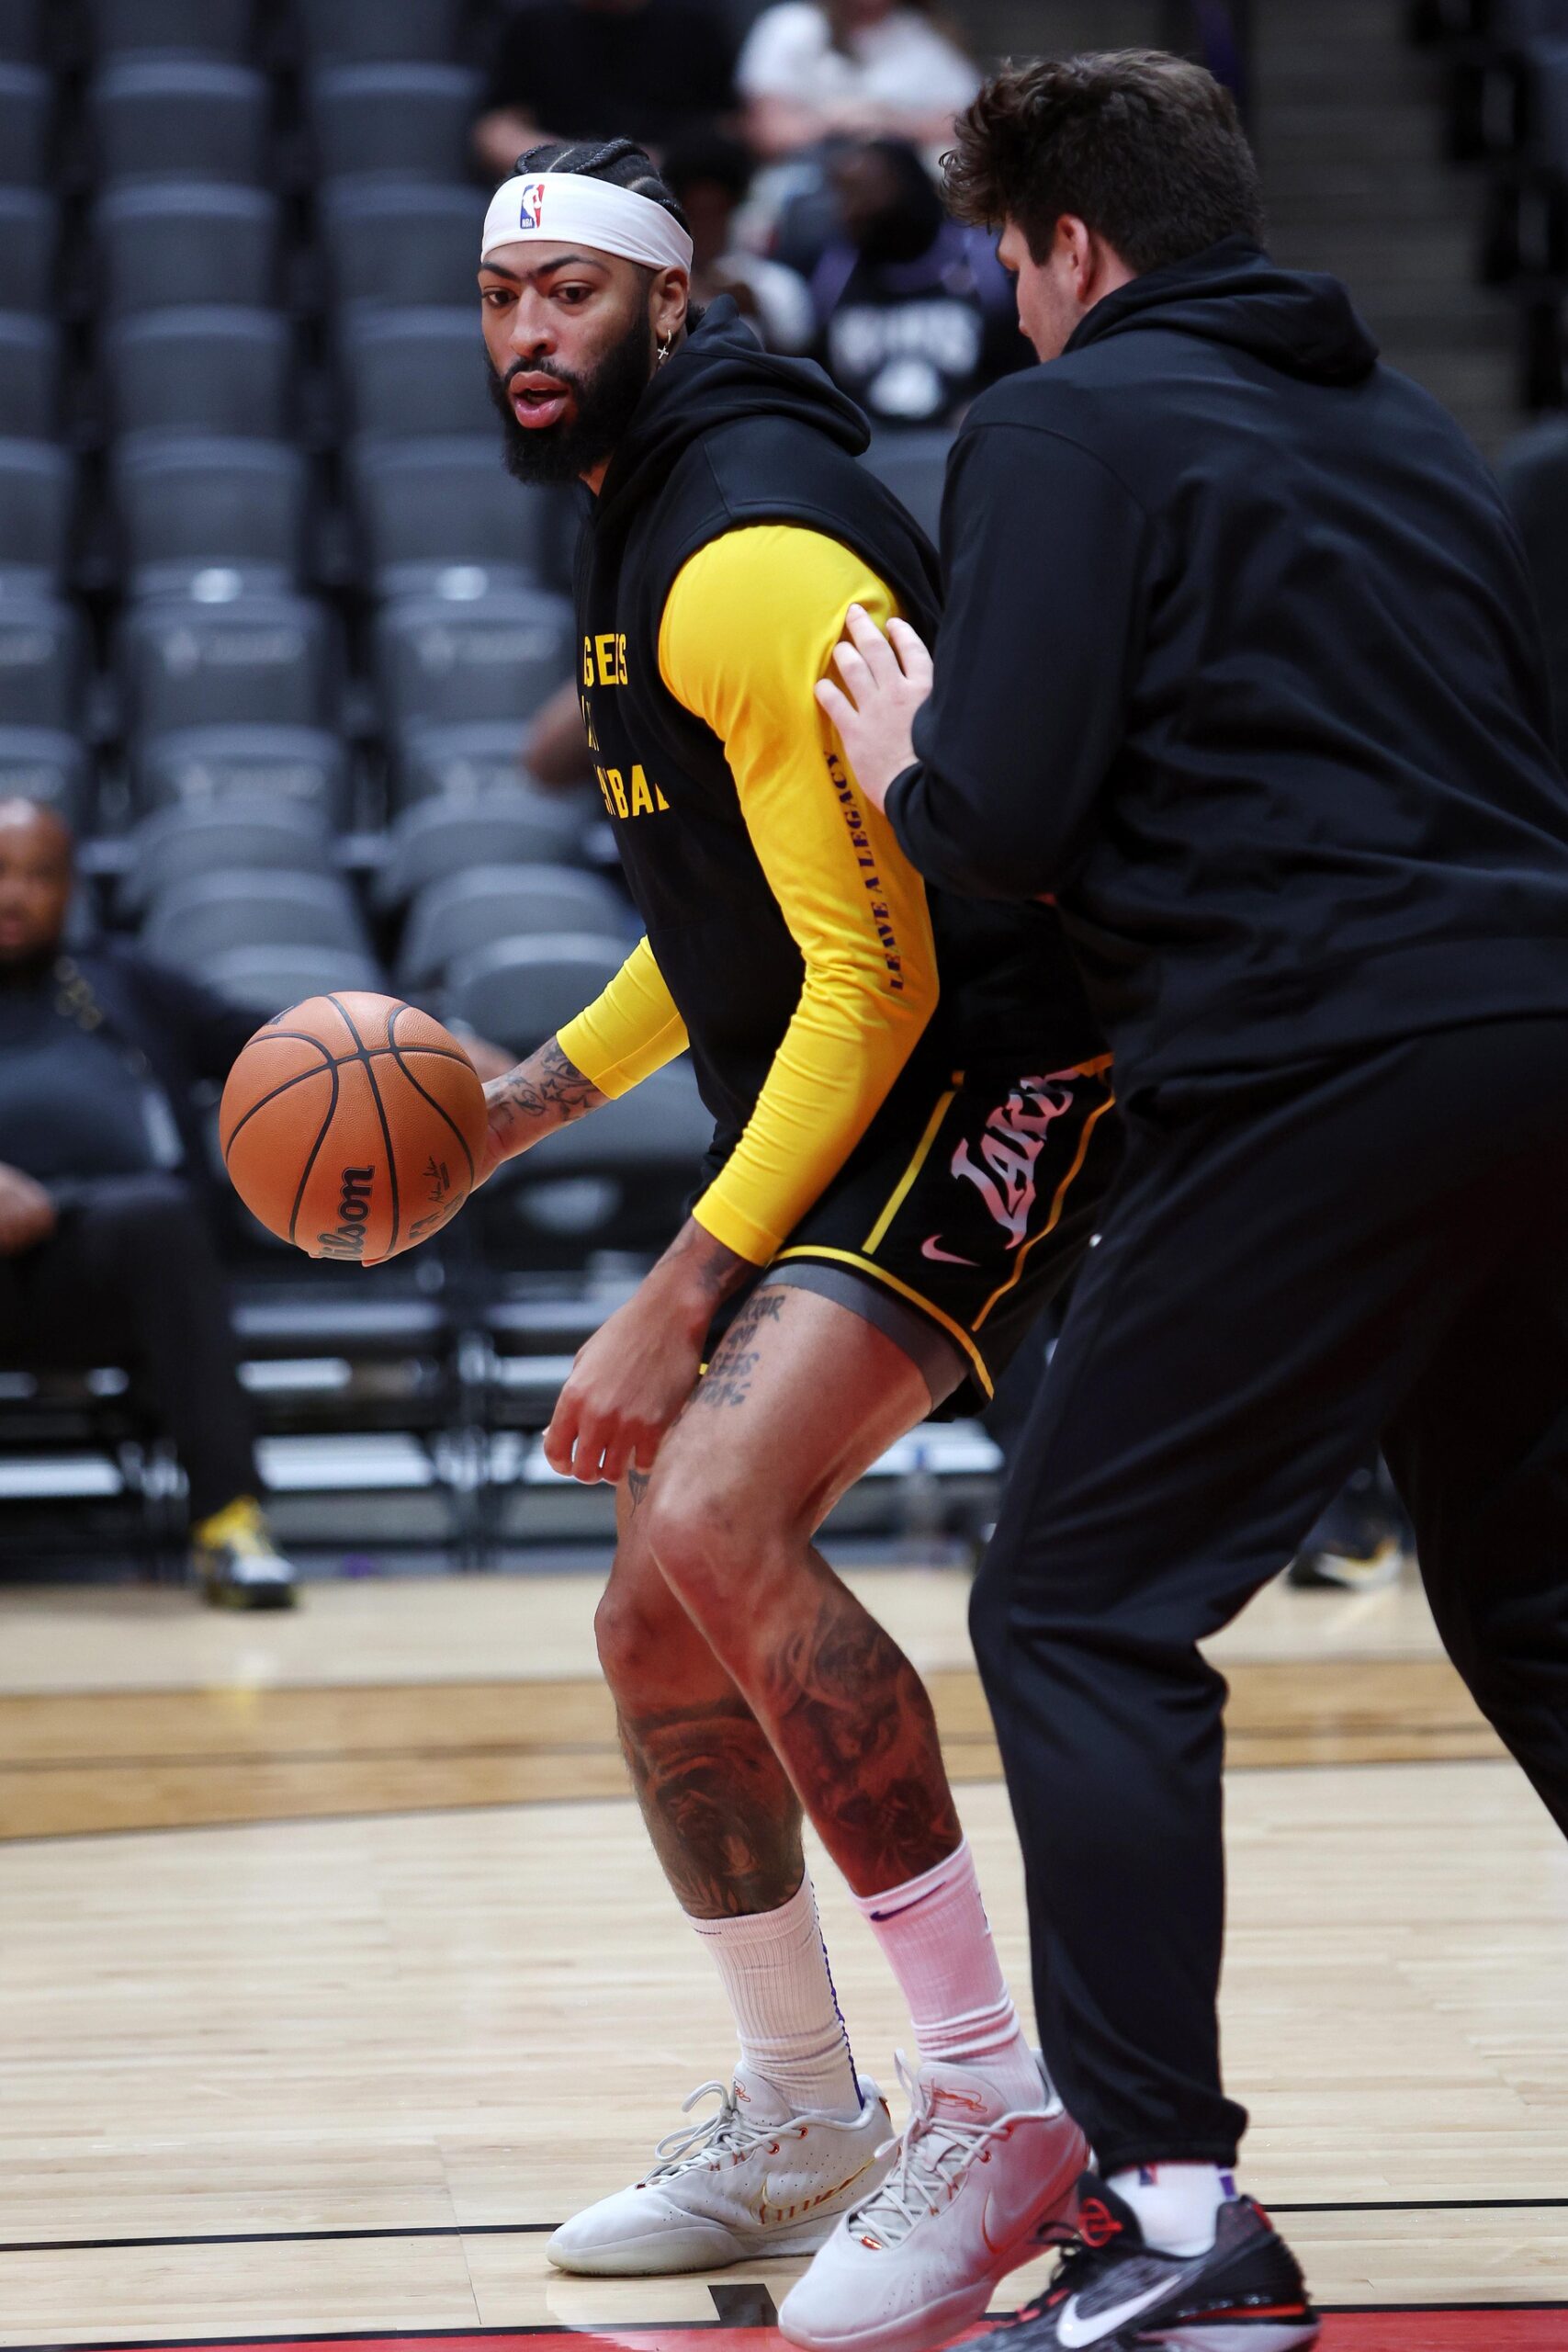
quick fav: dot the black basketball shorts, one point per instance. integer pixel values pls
(963, 1210)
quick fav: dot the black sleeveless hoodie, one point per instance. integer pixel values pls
(728, 436)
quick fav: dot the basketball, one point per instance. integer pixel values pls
(350, 1126)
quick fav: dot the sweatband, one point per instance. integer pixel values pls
(567, 207)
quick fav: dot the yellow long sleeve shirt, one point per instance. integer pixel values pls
(748, 628)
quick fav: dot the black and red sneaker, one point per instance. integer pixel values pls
(1112, 2291)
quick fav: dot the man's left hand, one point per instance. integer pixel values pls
(631, 1380)
(885, 681)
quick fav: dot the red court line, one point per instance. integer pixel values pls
(1510, 2329)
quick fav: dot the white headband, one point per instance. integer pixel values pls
(567, 207)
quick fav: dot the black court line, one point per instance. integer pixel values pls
(542, 2229)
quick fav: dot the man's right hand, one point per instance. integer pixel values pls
(26, 1213)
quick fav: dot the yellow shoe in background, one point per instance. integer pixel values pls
(236, 1561)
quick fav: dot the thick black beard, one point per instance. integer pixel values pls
(553, 453)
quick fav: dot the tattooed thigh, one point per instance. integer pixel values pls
(727, 1381)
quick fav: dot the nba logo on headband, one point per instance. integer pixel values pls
(532, 204)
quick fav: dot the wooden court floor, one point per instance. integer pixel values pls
(334, 1970)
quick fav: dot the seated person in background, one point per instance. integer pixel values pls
(709, 177)
(812, 70)
(915, 316)
(651, 70)
(105, 1254)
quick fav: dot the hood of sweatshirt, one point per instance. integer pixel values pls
(1302, 323)
(719, 374)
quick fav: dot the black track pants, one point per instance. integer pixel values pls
(1288, 1269)
(129, 1276)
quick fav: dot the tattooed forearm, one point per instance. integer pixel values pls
(852, 1720)
(728, 1378)
(723, 1818)
(545, 1093)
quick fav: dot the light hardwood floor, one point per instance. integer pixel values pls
(456, 2025)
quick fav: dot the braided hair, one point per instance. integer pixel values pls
(620, 161)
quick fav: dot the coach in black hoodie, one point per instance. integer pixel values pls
(1239, 667)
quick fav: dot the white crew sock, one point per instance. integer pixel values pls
(937, 1940)
(1177, 2205)
(775, 1969)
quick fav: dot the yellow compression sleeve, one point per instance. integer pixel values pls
(630, 1031)
(749, 630)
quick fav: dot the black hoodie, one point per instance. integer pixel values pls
(728, 436)
(1240, 663)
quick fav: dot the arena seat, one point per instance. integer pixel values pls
(49, 765)
(378, 32)
(43, 662)
(216, 28)
(38, 494)
(27, 125)
(269, 661)
(205, 915)
(195, 503)
(450, 663)
(169, 242)
(271, 979)
(400, 242)
(205, 367)
(520, 991)
(196, 767)
(250, 834)
(438, 837)
(417, 373)
(470, 910)
(429, 508)
(398, 121)
(456, 764)
(29, 239)
(30, 373)
(166, 118)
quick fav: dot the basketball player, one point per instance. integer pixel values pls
(911, 1141)
(1274, 728)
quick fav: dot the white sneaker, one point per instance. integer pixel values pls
(755, 2180)
(921, 2257)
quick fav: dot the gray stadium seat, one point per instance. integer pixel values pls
(206, 914)
(417, 373)
(21, 30)
(520, 991)
(43, 662)
(29, 237)
(229, 836)
(456, 764)
(27, 125)
(495, 902)
(167, 117)
(393, 121)
(400, 241)
(30, 373)
(200, 767)
(366, 32)
(45, 763)
(914, 467)
(212, 29)
(189, 504)
(200, 368)
(38, 492)
(272, 978)
(512, 827)
(168, 242)
(429, 508)
(462, 663)
(262, 661)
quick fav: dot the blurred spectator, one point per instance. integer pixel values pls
(555, 750)
(915, 314)
(710, 176)
(107, 1254)
(812, 70)
(648, 69)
